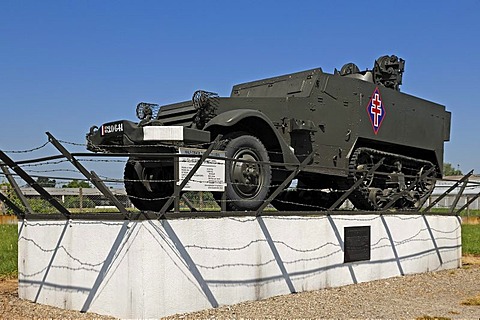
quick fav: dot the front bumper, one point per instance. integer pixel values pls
(126, 136)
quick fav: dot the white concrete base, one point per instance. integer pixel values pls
(150, 269)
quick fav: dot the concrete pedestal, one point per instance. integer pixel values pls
(150, 269)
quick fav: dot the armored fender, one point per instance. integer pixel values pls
(254, 122)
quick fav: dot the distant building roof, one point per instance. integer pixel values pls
(472, 188)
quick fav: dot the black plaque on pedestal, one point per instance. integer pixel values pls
(357, 244)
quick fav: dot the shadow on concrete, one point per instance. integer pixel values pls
(22, 225)
(54, 254)
(190, 263)
(276, 254)
(433, 239)
(342, 245)
(392, 244)
(205, 285)
(106, 265)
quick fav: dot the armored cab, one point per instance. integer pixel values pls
(343, 123)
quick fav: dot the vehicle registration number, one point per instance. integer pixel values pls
(111, 128)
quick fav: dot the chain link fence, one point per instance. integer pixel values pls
(90, 200)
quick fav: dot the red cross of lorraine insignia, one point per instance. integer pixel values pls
(376, 110)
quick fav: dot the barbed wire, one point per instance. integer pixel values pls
(45, 163)
(123, 180)
(101, 160)
(160, 198)
(28, 150)
(203, 145)
(299, 189)
(52, 170)
(73, 143)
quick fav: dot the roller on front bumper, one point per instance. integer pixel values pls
(124, 135)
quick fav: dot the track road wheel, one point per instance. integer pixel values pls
(423, 188)
(361, 198)
(248, 183)
(148, 187)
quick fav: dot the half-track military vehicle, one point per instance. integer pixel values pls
(347, 122)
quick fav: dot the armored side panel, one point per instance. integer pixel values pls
(298, 84)
(344, 110)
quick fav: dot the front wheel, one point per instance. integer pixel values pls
(148, 188)
(248, 181)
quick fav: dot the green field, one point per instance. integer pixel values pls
(464, 213)
(471, 239)
(8, 250)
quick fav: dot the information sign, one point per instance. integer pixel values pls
(209, 177)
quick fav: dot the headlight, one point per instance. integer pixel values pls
(145, 109)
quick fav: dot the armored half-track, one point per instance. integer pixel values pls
(342, 124)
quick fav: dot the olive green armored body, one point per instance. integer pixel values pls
(343, 124)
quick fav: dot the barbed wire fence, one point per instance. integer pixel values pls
(80, 194)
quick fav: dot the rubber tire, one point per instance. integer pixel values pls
(251, 147)
(142, 198)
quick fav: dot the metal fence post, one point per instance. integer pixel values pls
(18, 212)
(468, 204)
(178, 188)
(443, 195)
(413, 185)
(91, 176)
(459, 194)
(25, 176)
(80, 198)
(17, 190)
(279, 189)
(355, 185)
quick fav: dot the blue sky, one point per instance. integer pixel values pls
(67, 65)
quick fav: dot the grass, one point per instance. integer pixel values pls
(471, 239)
(8, 251)
(471, 212)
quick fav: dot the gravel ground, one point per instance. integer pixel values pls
(436, 294)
